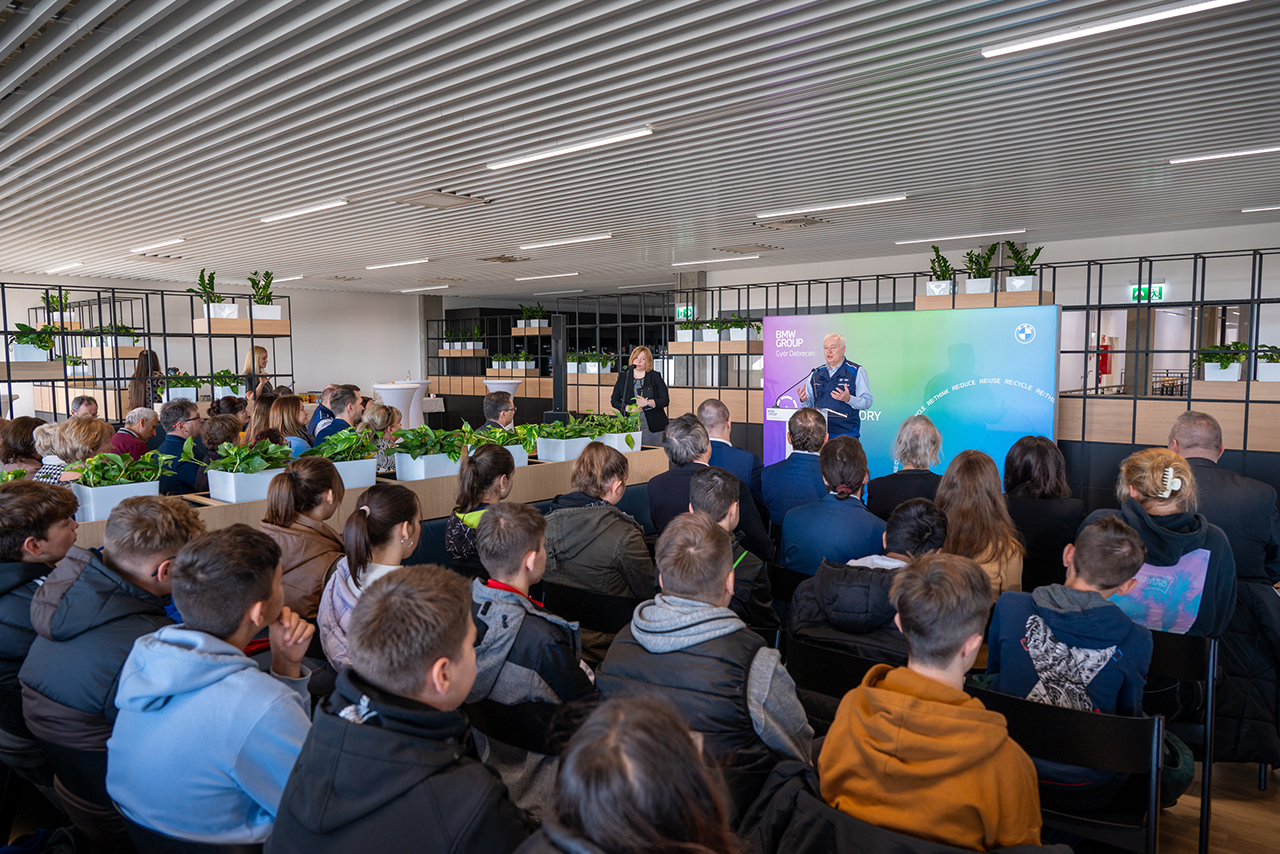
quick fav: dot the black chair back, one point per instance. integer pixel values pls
(825, 671)
(528, 726)
(147, 841)
(783, 582)
(598, 612)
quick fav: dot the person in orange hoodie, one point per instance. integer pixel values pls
(911, 751)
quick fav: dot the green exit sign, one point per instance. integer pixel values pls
(1143, 293)
(684, 313)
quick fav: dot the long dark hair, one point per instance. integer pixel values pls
(1035, 468)
(141, 383)
(299, 488)
(633, 782)
(372, 524)
(978, 522)
(479, 473)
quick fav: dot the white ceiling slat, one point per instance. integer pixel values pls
(20, 27)
(55, 41)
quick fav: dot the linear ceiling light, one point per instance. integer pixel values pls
(397, 264)
(337, 203)
(160, 245)
(1258, 210)
(587, 239)
(289, 279)
(712, 260)
(901, 197)
(432, 288)
(552, 276)
(1107, 25)
(65, 267)
(569, 149)
(1225, 155)
(961, 237)
(556, 293)
(633, 287)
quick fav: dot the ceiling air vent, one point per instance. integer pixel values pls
(748, 248)
(792, 224)
(436, 201)
(343, 279)
(442, 279)
(505, 259)
(163, 259)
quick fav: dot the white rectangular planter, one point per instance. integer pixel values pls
(708, 334)
(560, 450)
(571, 367)
(27, 353)
(749, 334)
(225, 310)
(978, 286)
(430, 465)
(618, 441)
(518, 453)
(938, 287)
(532, 324)
(98, 502)
(1268, 372)
(239, 487)
(684, 334)
(220, 392)
(169, 394)
(264, 312)
(588, 368)
(110, 343)
(358, 473)
(1021, 283)
(1231, 373)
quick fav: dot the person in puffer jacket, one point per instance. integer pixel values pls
(847, 607)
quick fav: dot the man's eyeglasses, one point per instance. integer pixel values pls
(197, 418)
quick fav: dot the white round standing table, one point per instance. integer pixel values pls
(509, 386)
(405, 395)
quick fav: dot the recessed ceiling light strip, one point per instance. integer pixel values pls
(337, 203)
(901, 197)
(1259, 210)
(552, 276)
(570, 149)
(397, 264)
(635, 287)
(556, 293)
(64, 267)
(432, 288)
(174, 242)
(961, 237)
(288, 279)
(567, 241)
(1249, 152)
(712, 260)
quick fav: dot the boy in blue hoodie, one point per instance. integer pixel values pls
(204, 741)
(1066, 645)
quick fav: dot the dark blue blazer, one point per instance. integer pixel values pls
(830, 529)
(743, 465)
(321, 412)
(788, 484)
(186, 477)
(337, 425)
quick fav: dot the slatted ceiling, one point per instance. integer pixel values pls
(216, 114)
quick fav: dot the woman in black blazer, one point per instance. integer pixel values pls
(641, 384)
(1040, 502)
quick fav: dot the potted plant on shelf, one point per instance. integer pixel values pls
(260, 304)
(562, 441)
(510, 439)
(77, 367)
(422, 452)
(179, 385)
(524, 361)
(687, 330)
(57, 305)
(226, 383)
(1268, 364)
(589, 363)
(533, 316)
(107, 479)
(1022, 276)
(499, 361)
(31, 344)
(1221, 362)
(943, 281)
(354, 453)
(979, 264)
(739, 328)
(473, 340)
(242, 472)
(619, 430)
(112, 336)
(214, 304)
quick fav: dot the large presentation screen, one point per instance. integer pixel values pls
(986, 377)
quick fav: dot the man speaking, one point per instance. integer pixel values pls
(839, 388)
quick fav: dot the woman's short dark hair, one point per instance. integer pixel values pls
(915, 527)
(844, 466)
(18, 440)
(1035, 468)
(632, 780)
(229, 405)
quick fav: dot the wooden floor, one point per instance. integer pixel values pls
(1244, 820)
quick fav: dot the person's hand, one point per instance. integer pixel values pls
(842, 394)
(290, 635)
(804, 395)
(643, 402)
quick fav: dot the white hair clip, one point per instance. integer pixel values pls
(1171, 484)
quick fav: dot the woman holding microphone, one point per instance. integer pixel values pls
(642, 386)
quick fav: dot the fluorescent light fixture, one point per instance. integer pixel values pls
(552, 276)
(397, 264)
(160, 245)
(712, 260)
(1258, 210)
(587, 239)
(634, 287)
(432, 288)
(1108, 25)
(1245, 153)
(901, 197)
(336, 203)
(289, 279)
(961, 237)
(556, 293)
(65, 267)
(569, 149)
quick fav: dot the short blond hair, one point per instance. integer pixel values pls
(80, 438)
(648, 357)
(1146, 472)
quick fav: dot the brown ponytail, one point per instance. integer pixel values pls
(381, 508)
(478, 474)
(299, 488)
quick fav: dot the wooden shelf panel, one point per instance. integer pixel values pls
(463, 354)
(239, 326)
(715, 348)
(593, 379)
(110, 352)
(472, 386)
(530, 331)
(1000, 300)
(32, 371)
(514, 373)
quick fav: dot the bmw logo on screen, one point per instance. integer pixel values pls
(1025, 333)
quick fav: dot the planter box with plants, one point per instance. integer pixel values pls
(561, 441)
(1222, 362)
(260, 304)
(532, 316)
(174, 386)
(943, 281)
(736, 328)
(619, 431)
(519, 441)
(108, 479)
(697, 330)
(57, 307)
(112, 336)
(1268, 364)
(214, 304)
(31, 344)
(422, 453)
(241, 473)
(980, 280)
(226, 383)
(1022, 276)
(354, 453)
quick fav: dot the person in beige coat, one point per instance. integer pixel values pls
(300, 501)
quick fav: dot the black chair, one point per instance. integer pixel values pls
(528, 726)
(827, 671)
(430, 548)
(1192, 659)
(783, 582)
(635, 503)
(147, 841)
(598, 612)
(1121, 745)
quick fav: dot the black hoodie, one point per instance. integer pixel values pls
(1168, 540)
(18, 583)
(382, 773)
(848, 608)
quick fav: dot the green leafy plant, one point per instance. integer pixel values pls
(177, 381)
(1268, 354)
(532, 312)
(117, 469)
(73, 361)
(242, 459)
(1022, 261)
(736, 321)
(574, 428)
(979, 262)
(205, 289)
(56, 302)
(476, 334)
(261, 287)
(16, 474)
(1222, 355)
(345, 447)
(940, 268)
(523, 356)
(424, 441)
(694, 323)
(627, 422)
(528, 434)
(42, 337)
(112, 330)
(227, 378)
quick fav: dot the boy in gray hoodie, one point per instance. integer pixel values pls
(687, 647)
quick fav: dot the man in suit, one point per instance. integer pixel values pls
(1244, 508)
(797, 480)
(743, 465)
(689, 451)
(499, 411)
(347, 407)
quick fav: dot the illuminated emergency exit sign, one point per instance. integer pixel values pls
(684, 313)
(1143, 293)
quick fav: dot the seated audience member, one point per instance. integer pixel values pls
(838, 527)
(139, 426)
(796, 480)
(84, 405)
(383, 421)
(1244, 508)
(180, 420)
(1188, 583)
(632, 781)
(204, 741)
(378, 536)
(18, 445)
(76, 440)
(88, 614)
(259, 417)
(484, 478)
(389, 764)
(347, 408)
(1041, 507)
(499, 411)
(714, 491)
(685, 646)
(917, 447)
(300, 500)
(689, 450)
(229, 405)
(592, 545)
(1066, 645)
(43, 437)
(322, 415)
(216, 432)
(849, 607)
(37, 529)
(288, 417)
(909, 750)
(743, 465)
(524, 653)
(978, 522)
